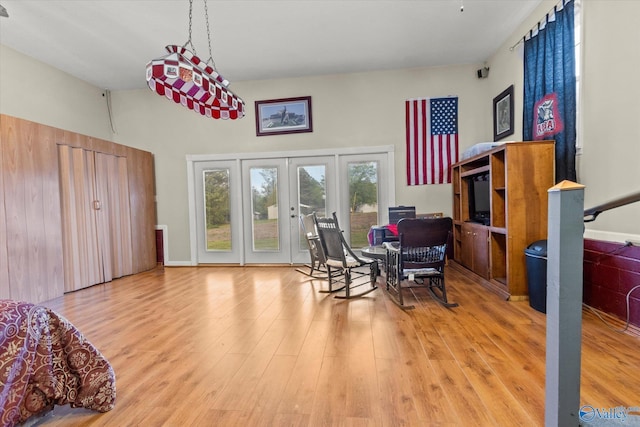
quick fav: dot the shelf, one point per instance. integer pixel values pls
(519, 176)
(475, 171)
(498, 249)
(498, 172)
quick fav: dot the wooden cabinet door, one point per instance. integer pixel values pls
(481, 250)
(466, 245)
(475, 248)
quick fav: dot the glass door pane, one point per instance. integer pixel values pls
(264, 208)
(312, 182)
(217, 210)
(217, 204)
(363, 200)
(366, 200)
(266, 212)
(312, 189)
(311, 195)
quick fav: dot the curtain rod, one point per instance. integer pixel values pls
(554, 9)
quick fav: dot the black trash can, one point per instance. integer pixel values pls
(536, 259)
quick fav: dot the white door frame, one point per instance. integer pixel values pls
(205, 256)
(338, 152)
(283, 252)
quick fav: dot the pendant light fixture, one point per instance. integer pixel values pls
(184, 78)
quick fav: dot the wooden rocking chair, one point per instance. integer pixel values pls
(355, 271)
(418, 258)
(317, 268)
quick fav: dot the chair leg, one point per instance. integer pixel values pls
(398, 299)
(374, 273)
(394, 283)
(359, 275)
(315, 272)
(330, 276)
(330, 279)
(441, 295)
(347, 281)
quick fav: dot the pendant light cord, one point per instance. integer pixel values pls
(189, 42)
(206, 15)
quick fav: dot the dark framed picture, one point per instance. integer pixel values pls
(503, 114)
(285, 115)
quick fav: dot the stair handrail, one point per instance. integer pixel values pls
(592, 213)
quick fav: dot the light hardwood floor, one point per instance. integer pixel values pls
(259, 346)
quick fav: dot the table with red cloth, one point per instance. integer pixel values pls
(380, 234)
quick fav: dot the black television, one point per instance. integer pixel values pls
(479, 199)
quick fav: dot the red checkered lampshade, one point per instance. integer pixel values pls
(184, 78)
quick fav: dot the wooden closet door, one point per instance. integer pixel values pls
(101, 210)
(82, 260)
(121, 220)
(96, 218)
(114, 215)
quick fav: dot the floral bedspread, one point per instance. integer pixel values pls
(46, 361)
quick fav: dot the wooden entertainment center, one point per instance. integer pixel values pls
(500, 206)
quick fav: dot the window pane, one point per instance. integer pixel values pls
(264, 207)
(363, 201)
(312, 193)
(217, 210)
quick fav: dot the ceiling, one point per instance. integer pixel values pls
(109, 42)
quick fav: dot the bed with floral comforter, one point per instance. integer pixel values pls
(46, 361)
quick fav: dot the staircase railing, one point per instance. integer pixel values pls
(592, 213)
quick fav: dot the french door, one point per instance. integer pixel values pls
(218, 208)
(365, 195)
(265, 202)
(313, 189)
(247, 210)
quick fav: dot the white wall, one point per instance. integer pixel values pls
(34, 91)
(365, 109)
(610, 164)
(349, 110)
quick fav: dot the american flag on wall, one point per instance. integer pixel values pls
(432, 139)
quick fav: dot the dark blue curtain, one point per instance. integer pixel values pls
(550, 88)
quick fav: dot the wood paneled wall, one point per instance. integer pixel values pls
(32, 211)
(31, 263)
(4, 268)
(142, 204)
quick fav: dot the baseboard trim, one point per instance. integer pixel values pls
(178, 264)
